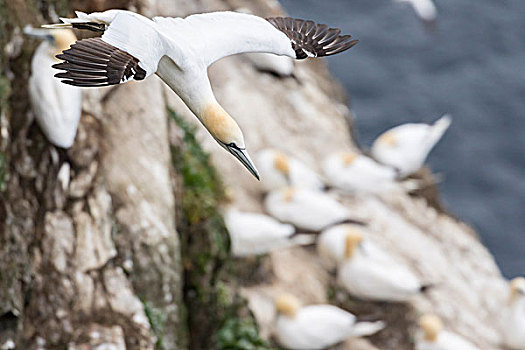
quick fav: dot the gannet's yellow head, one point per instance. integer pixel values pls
(348, 158)
(388, 139)
(287, 305)
(227, 133)
(60, 39)
(281, 163)
(63, 39)
(517, 289)
(431, 326)
(352, 240)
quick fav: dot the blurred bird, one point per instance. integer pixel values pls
(374, 275)
(406, 147)
(305, 209)
(179, 50)
(331, 244)
(425, 10)
(513, 316)
(280, 66)
(316, 326)
(433, 336)
(279, 170)
(352, 172)
(57, 107)
(254, 234)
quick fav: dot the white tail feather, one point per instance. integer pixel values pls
(410, 185)
(364, 329)
(303, 239)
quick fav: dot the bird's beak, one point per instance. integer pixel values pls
(244, 158)
(41, 34)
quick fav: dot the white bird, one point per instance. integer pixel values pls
(304, 208)
(425, 9)
(316, 326)
(281, 66)
(254, 234)
(331, 244)
(373, 275)
(406, 147)
(179, 50)
(352, 172)
(57, 107)
(513, 316)
(433, 337)
(279, 170)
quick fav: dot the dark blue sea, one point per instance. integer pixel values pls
(471, 66)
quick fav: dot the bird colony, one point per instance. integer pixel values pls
(303, 207)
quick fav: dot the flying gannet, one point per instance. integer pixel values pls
(254, 234)
(305, 209)
(316, 326)
(179, 50)
(331, 244)
(279, 170)
(433, 337)
(406, 147)
(372, 274)
(424, 9)
(57, 107)
(513, 316)
(353, 172)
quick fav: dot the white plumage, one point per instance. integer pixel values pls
(254, 234)
(304, 208)
(57, 107)
(316, 326)
(352, 172)
(331, 244)
(425, 9)
(179, 50)
(513, 316)
(406, 147)
(372, 274)
(279, 170)
(433, 337)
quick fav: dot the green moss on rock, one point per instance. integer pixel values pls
(217, 317)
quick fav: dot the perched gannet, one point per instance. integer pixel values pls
(316, 326)
(406, 147)
(179, 50)
(57, 107)
(433, 337)
(304, 208)
(374, 275)
(279, 170)
(254, 234)
(331, 244)
(513, 316)
(353, 172)
(425, 9)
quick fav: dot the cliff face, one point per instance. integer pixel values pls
(101, 257)
(308, 120)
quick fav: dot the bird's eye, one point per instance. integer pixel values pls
(232, 145)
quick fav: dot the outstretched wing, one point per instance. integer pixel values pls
(312, 40)
(130, 48)
(215, 35)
